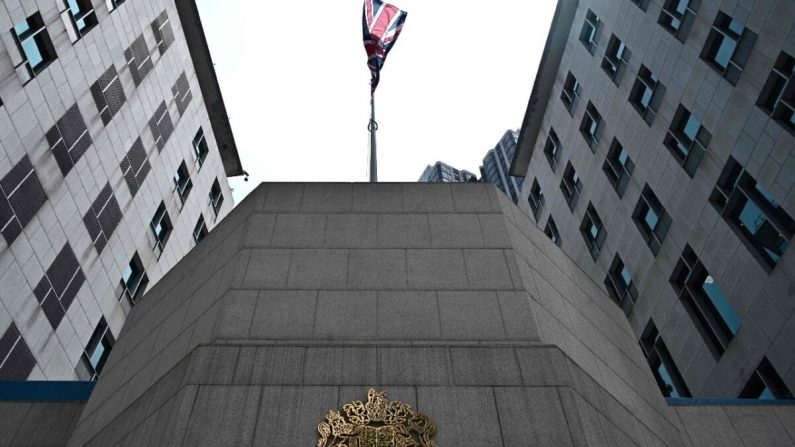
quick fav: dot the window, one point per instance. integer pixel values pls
(69, 139)
(59, 286)
(765, 383)
(133, 282)
(571, 185)
(615, 61)
(662, 365)
(591, 126)
(590, 31)
(677, 17)
(728, 47)
(182, 94)
(753, 213)
(96, 353)
(138, 60)
(200, 230)
(687, 140)
(135, 167)
(161, 126)
(108, 94)
(552, 149)
(183, 183)
(646, 95)
(642, 4)
(551, 230)
(16, 360)
(34, 45)
(651, 219)
(618, 167)
(593, 232)
(705, 302)
(778, 95)
(620, 286)
(571, 93)
(113, 4)
(200, 147)
(102, 218)
(216, 197)
(21, 197)
(161, 229)
(164, 35)
(536, 199)
(79, 18)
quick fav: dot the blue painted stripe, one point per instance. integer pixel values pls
(46, 391)
(677, 402)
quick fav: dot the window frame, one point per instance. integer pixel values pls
(216, 200)
(536, 199)
(552, 149)
(649, 203)
(200, 230)
(199, 141)
(551, 230)
(102, 336)
(623, 294)
(779, 102)
(570, 95)
(591, 220)
(677, 139)
(183, 184)
(646, 81)
(134, 286)
(614, 65)
(685, 18)
(743, 45)
(657, 354)
(618, 173)
(766, 376)
(590, 40)
(36, 30)
(162, 221)
(86, 14)
(571, 186)
(591, 119)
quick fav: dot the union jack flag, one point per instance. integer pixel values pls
(382, 24)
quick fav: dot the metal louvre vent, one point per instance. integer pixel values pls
(108, 94)
(16, 360)
(182, 93)
(69, 139)
(21, 197)
(161, 126)
(135, 167)
(103, 218)
(138, 60)
(164, 35)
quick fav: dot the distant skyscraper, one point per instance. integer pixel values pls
(444, 173)
(496, 165)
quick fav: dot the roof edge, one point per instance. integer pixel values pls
(542, 86)
(211, 89)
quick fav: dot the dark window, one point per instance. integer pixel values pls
(108, 94)
(16, 360)
(705, 302)
(164, 35)
(182, 94)
(69, 139)
(96, 353)
(591, 126)
(662, 365)
(651, 219)
(753, 213)
(646, 95)
(728, 47)
(571, 93)
(536, 199)
(22, 197)
(642, 4)
(161, 229)
(551, 230)
(34, 45)
(113, 4)
(200, 147)
(615, 61)
(620, 286)
(200, 230)
(593, 231)
(138, 60)
(102, 218)
(618, 167)
(677, 17)
(778, 95)
(133, 282)
(552, 149)
(765, 383)
(79, 18)
(590, 31)
(59, 286)
(687, 140)
(216, 197)
(135, 167)
(571, 185)
(161, 126)
(183, 183)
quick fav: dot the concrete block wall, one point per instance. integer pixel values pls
(31, 109)
(739, 128)
(23, 423)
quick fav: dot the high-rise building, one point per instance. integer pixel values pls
(441, 172)
(496, 166)
(658, 151)
(115, 154)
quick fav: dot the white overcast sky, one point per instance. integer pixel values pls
(296, 85)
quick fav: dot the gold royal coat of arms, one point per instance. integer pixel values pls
(377, 423)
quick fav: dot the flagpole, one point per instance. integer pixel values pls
(373, 127)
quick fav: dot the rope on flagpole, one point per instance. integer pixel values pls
(372, 126)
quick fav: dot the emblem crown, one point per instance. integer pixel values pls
(377, 423)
